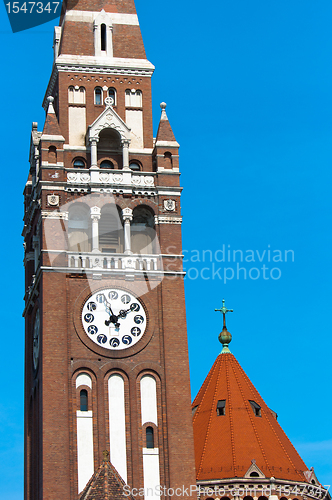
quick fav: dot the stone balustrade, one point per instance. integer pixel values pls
(116, 262)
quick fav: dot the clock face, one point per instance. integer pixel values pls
(36, 329)
(114, 319)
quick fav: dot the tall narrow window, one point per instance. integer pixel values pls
(71, 94)
(98, 96)
(112, 94)
(84, 400)
(149, 437)
(52, 154)
(103, 36)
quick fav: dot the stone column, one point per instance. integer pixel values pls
(127, 215)
(95, 216)
(125, 153)
(93, 147)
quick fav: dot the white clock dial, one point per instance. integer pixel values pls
(36, 329)
(114, 319)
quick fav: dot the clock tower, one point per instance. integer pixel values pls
(106, 361)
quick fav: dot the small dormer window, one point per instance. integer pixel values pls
(221, 407)
(256, 408)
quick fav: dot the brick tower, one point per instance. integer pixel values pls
(106, 349)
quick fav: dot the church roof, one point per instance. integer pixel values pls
(243, 429)
(105, 484)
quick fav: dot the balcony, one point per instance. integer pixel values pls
(112, 262)
(115, 178)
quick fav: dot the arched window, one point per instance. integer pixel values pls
(109, 140)
(134, 165)
(103, 36)
(142, 231)
(78, 163)
(138, 99)
(79, 228)
(254, 474)
(149, 437)
(84, 400)
(106, 164)
(80, 96)
(168, 161)
(76, 95)
(110, 230)
(133, 98)
(52, 154)
(112, 94)
(71, 94)
(98, 96)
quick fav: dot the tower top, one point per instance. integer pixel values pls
(233, 426)
(224, 336)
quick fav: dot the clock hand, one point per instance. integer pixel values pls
(113, 317)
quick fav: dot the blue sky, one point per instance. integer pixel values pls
(248, 88)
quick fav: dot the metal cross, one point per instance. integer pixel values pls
(224, 311)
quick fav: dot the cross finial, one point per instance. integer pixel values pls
(224, 311)
(106, 455)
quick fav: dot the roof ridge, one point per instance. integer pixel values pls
(249, 411)
(210, 417)
(229, 396)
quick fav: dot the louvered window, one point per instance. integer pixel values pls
(108, 233)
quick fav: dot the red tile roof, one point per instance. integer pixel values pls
(225, 445)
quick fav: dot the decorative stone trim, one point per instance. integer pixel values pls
(167, 219)
(53, 200)
(89, 16)
(54, 215)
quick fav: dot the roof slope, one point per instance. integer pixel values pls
(226, 444)
(165, 132)
(106, 483)
(51, 126)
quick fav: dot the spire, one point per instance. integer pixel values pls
(165, 132)
(51, 127)
(224, 336)
(233, 426)
(105, 484)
